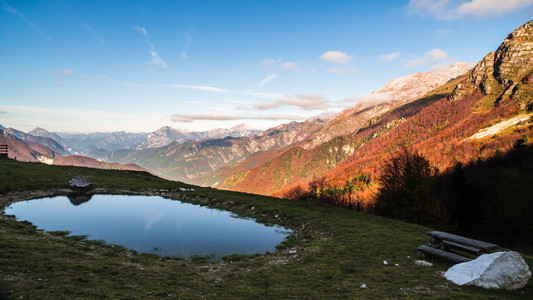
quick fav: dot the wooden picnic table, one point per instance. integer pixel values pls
(442, 242)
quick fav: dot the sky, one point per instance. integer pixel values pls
(135, 66)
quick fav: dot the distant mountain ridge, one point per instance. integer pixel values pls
(45, 141)
(85, 143)
(192, 159)
(27, 147)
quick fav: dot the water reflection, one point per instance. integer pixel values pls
(151, 224)
(77, 199)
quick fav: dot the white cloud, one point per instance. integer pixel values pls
(487, 8)
(434, 56)
(290, 66)
(450, 10)
(424, 8)
(303, 101)
(336, 57)
(199, 88)
(389, 57)
(189, 118)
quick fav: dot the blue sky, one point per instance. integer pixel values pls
(138, 65)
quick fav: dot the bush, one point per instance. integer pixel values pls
(405, 192)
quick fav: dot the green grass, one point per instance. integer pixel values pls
(333, 254)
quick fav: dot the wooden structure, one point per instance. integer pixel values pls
(441, 244)
(3, 151)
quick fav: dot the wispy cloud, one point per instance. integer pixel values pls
(3, 112)
(267, 79)
(155, 60)
(94, 35)
(199, 88)
(140, 30)
(303, 101)
(10, 9)
(389, 57)
(66, 72)
(60, 83)
(189, 118)
(434, 56)
(188, 43)
(336, 57)
(451, 10)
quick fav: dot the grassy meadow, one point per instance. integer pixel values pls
(335, 254)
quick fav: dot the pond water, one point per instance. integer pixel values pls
(151, 224)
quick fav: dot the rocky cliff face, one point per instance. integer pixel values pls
(500, 73)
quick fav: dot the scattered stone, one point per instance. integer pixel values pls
(186, 190)
(363, 286)
(385, 262)
(423, 263)
(500, 270)
(79, 182)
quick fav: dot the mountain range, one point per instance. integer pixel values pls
(439, 114)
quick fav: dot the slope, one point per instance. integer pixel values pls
(313, 158)
(498, 89)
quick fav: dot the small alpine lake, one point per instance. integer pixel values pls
(151, 224)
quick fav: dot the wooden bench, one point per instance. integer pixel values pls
(3, 151)
(440, 244)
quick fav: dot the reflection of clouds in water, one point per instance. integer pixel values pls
(152, 220)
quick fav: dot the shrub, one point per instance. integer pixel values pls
(405, 192)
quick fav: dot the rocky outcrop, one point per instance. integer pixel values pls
(499, 72)
(79, 182)
(501, 270)
(483, 74)
(513, 59)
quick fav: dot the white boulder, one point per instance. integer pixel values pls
(500, 270)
